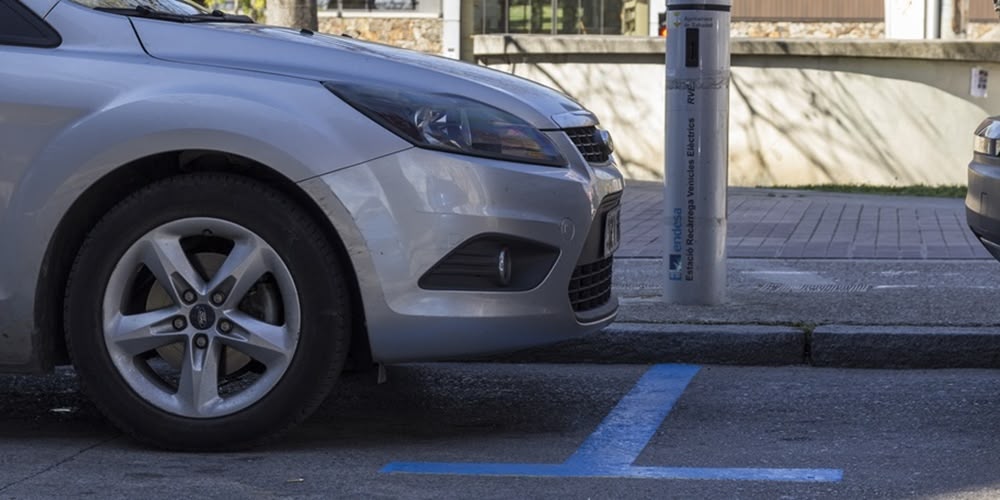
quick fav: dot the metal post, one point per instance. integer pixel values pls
(451, 28)
(602, 17)
(506, 16)
(932, 29)
(555, 17)
(467, 29)
(697, 151)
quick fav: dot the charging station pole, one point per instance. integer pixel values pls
(697, 151)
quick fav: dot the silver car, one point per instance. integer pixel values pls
(209, 217)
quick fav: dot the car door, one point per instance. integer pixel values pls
(21, 32)
(26, 122)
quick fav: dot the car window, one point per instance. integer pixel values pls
(180, 7)
(20, 26)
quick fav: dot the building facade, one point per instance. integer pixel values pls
(420, 24)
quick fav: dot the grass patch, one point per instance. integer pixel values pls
(917, 190)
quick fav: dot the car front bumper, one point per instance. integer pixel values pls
(982, 202)
(981, 207)
(400, 215)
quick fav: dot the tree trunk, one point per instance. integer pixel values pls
(293, 13)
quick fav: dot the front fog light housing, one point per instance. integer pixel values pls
(450, 123)
(987, 137)
(486, 263)
(504, 269)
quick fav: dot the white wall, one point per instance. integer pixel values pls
(906, 19)
(794, 119)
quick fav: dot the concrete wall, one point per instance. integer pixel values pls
(802, 112)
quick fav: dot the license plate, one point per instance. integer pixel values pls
(612, 231)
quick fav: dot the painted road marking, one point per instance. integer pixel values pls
(624, 433)
(610, 451)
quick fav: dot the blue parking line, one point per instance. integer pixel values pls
(610, 451)
(616, 471)
(626, 431)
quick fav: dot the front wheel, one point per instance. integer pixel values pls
(207, 311)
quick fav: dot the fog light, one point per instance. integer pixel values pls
(486, 263)
(503, 267)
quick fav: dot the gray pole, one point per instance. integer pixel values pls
(451, 29)
(697, 151)
(932, 29)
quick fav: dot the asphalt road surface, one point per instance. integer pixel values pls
(549, 431)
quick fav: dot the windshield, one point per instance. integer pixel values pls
(178, 7)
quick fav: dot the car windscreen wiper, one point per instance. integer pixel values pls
(216, 16)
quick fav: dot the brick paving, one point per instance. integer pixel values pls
(787, 224)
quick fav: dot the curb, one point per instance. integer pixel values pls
(839, 346)
(640, 343)
(905, 347)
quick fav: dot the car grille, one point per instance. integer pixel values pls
(590, 286)
(584, 139)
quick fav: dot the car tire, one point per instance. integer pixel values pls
(145, 352)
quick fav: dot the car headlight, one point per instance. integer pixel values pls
(987, 135)
(450, 123)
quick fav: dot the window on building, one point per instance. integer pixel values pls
(555, 17)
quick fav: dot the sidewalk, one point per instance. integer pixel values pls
(788, 224)
(828, 279)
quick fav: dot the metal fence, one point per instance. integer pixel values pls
(808, 10)
(554, 17)
(982, 10)
(833, 10)
(625, 16)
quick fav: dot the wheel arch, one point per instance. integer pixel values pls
(113, 187)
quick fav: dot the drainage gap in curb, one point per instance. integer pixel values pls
(807, 329)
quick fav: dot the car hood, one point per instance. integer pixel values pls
(320, 57)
